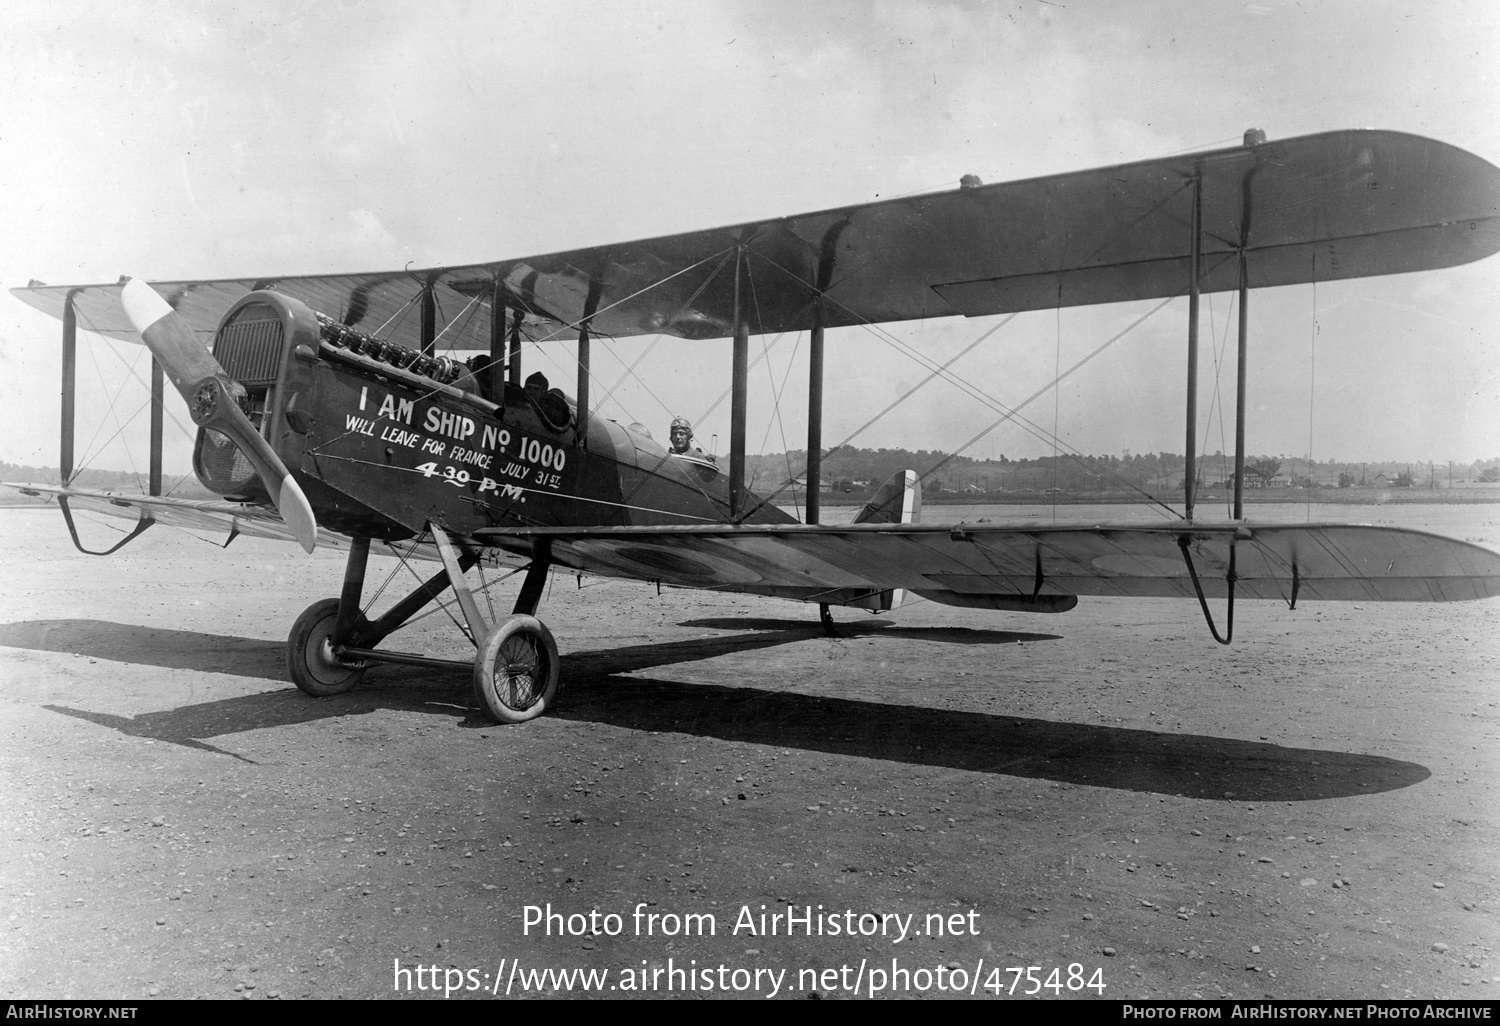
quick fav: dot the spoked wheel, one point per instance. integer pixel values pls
(516, 670)
(309, 653)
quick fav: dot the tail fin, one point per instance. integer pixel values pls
(899, 501)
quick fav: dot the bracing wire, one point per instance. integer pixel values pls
(1055, 383)
(1217, 401)
(771, 378)
(115, 416)
(983, 397)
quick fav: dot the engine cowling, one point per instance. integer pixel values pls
(253, 344)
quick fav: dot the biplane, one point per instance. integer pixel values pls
(324, 416)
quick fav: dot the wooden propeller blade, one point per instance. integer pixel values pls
(211, 397)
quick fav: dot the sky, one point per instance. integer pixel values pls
(202, 140)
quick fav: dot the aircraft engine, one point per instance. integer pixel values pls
(439, 368)
(255, 344)
(252, 345)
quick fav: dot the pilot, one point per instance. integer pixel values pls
(681, 433)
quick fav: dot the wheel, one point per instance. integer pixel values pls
(309, 653)
(516, 670)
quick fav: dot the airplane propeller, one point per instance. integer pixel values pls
(213, 400)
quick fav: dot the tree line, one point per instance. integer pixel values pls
(857, 470)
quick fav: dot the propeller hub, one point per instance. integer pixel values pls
(209, 397)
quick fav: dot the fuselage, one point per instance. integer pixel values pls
(382, 448)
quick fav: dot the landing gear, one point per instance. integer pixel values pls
(516, 671)
(310, 658)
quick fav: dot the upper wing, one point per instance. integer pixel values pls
(1004, 567)
(1320, 207)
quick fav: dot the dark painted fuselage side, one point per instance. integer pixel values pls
(382, 451)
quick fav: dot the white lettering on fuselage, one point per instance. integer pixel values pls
(454, 425)
(464, 441)
(393, 408)
(400, 437)
(463, 455)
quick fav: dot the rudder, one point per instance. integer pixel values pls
(899, 501)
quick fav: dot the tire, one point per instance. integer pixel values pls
(309, 653)
(516, 671)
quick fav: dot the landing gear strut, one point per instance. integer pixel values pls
(515, 672)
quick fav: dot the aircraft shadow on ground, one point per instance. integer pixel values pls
(1155, 762)
(1192, 766)
(151, 646)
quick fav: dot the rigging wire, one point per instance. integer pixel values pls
(113, 415)
(1220, 345)
(982, 396)
(400, 315)
(986, 399)
(685, 304)
(898, 401)
(1026, 424)
(574, 325)
(628, 373)
(130, 369)
(565, 325)
(473, 312)
(771, 377)
(1041, 391)
(786, 449)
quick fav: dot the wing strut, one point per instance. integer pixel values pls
(513, 365)
(737, 402)
(67, 428)
(1195, 271)
(429, 317)
(158, 398)
(590, 307)
(494, 382)
(814, 474)
(1253, 137)
(69, 389)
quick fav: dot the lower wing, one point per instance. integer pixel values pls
(986, 566)
(194, 514)
(999, 567)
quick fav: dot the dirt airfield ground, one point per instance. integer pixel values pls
(1308, 813)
